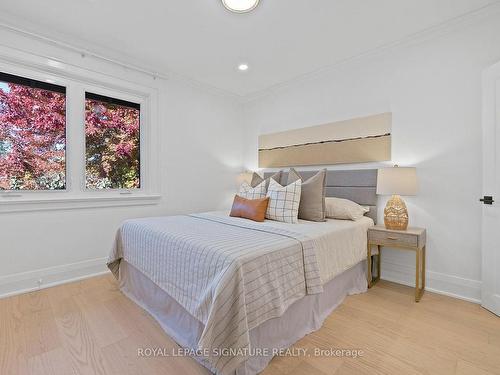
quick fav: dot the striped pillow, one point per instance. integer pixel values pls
(248, 192)
(284, 201)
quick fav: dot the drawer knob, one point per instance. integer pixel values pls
(392, 238)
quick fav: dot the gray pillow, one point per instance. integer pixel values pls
(256, 179)
(312, 199)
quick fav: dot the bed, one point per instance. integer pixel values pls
(234, 291)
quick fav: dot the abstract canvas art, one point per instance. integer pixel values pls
(359, 140)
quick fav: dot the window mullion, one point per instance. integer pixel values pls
(76, 139)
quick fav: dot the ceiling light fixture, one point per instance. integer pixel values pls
(240, 6)
(243, 67)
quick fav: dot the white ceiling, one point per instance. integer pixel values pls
(280, 40)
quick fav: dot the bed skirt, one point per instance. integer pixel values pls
(302, 317)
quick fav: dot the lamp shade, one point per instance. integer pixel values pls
(397, 181)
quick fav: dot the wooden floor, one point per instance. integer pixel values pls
(89, 327)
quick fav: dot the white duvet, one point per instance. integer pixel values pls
(341, 243)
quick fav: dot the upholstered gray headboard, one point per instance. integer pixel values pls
(358, 185)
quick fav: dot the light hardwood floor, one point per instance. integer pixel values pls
(89, 327)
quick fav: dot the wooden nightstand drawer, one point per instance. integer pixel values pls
(394, 238)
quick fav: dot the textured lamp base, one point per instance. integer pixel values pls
(396, 214)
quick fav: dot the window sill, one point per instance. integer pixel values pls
(27, 204)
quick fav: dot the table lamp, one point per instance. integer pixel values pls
(396, 181)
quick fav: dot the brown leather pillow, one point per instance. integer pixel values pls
(253, 209)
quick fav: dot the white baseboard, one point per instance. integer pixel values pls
(449, 285)
(44, 278)
(453, 286)
(491, 302)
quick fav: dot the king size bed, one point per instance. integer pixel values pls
(234, 291)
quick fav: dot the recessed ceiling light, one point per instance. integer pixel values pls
(240, 6)
(243, 67)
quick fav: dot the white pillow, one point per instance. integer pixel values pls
(283, 201)
(248, 192)
(338, 208)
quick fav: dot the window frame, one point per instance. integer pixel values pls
(77, 81)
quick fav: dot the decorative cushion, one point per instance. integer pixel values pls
(256, 179)
(248, 192)
(283, 201)
(337, 208)
(253, 209)
(312, 197)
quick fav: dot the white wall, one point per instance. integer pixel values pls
(432, 87)
(201, 137)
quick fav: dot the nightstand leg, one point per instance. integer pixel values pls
(369, 265)
(423, 271)
(417, 275)
(420, 274)
(379, 260)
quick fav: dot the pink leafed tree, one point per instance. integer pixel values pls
(112, 145)
(32, 138)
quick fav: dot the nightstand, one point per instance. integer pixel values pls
(411, 239)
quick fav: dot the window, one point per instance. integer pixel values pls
(62, 146)
(32, 134)
(112, 137)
